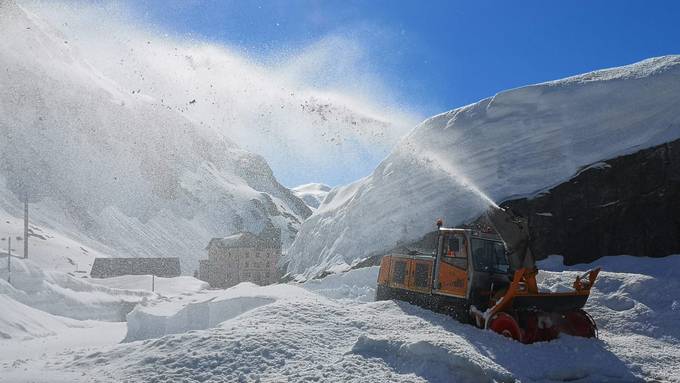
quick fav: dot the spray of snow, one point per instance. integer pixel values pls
(130, 142)
(439, 161)
(301, 110)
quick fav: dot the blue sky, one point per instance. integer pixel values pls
(437, 55)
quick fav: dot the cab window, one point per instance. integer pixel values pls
(454, 246)
(455, 251)
(489, 256)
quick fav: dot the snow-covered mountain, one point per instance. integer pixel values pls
(116, 171)
(308, 111)
(515, 143)
(313, 194)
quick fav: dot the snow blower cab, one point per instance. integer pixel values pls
(488, 277)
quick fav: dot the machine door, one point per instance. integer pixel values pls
(490, 271)
(420, 277)
(453, 269)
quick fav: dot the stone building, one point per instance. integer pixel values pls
(242, 257)
(116, 267)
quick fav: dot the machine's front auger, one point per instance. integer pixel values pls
(527, 315)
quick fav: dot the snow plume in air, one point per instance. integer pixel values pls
(310, 113)
(442, 163)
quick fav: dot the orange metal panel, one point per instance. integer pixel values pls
(384, 274)
(425, 285)
(396, 272)
(453, 280)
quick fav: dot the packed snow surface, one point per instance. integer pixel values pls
(516, 143)
(313, 194)
(330, 330)
(164, 286)
(66, 294)
(74, 296)
(24, 322)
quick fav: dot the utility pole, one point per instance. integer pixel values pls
(26, 225)
(9, 259)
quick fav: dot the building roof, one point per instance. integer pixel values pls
(234, 241)
(270, 238)
(114, 267)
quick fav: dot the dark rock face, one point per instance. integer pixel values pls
(626, 205)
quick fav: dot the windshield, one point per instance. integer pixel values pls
(489, 256)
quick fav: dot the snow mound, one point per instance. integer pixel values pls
(429, 361)
(355, 285)
(300, 335)
(516, 143)
(194, 316)
(633, 294)
(312, 194)
(19, 321)
(65, 295)
(153, 319)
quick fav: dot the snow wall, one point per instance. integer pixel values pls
(513, 144)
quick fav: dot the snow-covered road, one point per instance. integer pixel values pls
(331, 330)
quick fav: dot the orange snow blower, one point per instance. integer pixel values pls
(488, 278)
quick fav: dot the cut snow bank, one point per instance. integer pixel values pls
(153, 319)
(82, 298)
(356, 285)
(62, 294)
(515, 143)
(194, 316)
(162, 286)
(19, 321)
